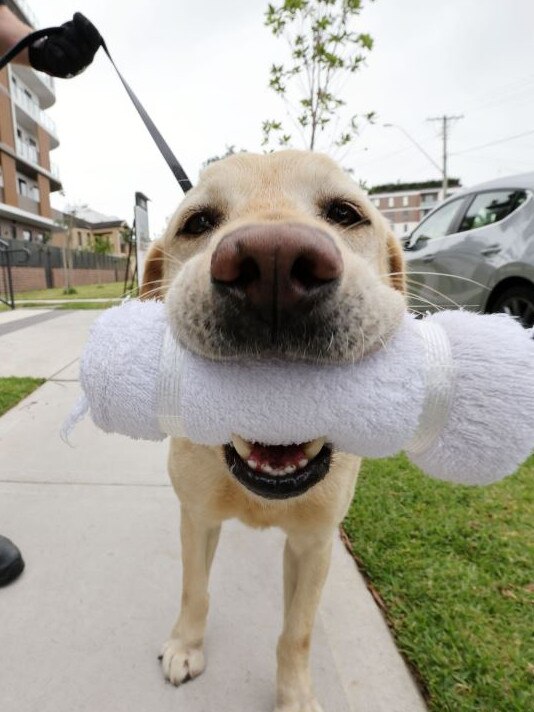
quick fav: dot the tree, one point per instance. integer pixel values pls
(127, 234)
(67, 223)
(325, 47)
(229, 151)
(102, 245)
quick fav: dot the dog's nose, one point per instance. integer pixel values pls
(277, 267)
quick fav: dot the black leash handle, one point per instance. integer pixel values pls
(168, 155)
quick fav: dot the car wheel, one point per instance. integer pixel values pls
(517, 301)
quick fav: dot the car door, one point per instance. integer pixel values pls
(461, 265)
(429, 254)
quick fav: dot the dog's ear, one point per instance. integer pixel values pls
(152, 286)
(397, 264)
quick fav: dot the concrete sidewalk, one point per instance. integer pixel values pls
(52, 302)
(98, 526)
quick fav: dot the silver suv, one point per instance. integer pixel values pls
(476, 250)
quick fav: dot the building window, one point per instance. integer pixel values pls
(39, 237)
(27, 235)
(23, 187)
(35, 194)
(1, 177)
(80, 239)
(391, 202)
(405, 200)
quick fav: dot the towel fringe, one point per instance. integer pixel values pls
(77, 414)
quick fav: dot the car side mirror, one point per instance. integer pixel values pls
(416, 241)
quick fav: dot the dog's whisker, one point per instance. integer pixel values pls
(409, 273)
(415, 283)
(135, 290)
(384, 344)
(155, 291)
(172, 258)
(418, 297)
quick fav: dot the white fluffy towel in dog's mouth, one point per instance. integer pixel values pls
(278, 471)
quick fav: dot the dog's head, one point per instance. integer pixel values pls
(279, 255)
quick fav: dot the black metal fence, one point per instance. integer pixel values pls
(10, 255)
(43, 255)
(49, 258)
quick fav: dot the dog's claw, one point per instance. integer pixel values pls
(181, 663)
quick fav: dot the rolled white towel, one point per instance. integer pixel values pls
(455, 390)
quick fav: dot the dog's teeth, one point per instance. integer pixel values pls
(313, 448)
(303, 462)
(290, 469)
(267, 468)
(252, 464)
(242, 447)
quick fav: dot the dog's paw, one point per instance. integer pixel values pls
(181, 663)
(310, 705)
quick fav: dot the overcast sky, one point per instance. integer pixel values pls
(201, 69)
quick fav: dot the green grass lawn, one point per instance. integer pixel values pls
(89, 291)
(453, 566)
(87, 305)
(13, 390)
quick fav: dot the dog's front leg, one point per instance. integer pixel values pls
(182, 655)
(306, 563)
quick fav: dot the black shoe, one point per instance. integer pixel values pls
(11, 561)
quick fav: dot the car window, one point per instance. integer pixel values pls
(489, 208)
(439, 223)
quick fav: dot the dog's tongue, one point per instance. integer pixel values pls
(278, 457)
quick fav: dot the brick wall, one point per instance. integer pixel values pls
(29, 278)
(79, 277)
(26, 278)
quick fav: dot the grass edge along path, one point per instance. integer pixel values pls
(86, 291)
(453, 569)
(13, 390)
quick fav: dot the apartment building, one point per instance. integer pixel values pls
(27, 136)
(92, 231)
(406, 204)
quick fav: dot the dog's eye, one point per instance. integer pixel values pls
(200, 223)
(344, 214)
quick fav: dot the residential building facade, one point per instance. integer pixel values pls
(27, 137)
(406, 204)
(91, 231)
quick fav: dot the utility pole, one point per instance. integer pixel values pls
(444, 131)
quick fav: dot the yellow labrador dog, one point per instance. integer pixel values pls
(271, 255)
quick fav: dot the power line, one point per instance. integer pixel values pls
(445, 121)
(493, 143)
(503, 94)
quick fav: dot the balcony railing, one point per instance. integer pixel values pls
(29, 204)
(47, 80)
(32, 108)
(29, 153)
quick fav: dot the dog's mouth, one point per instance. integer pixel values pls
(278, 471)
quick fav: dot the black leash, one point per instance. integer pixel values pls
(168, 155)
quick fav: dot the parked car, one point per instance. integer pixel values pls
(476, 250)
